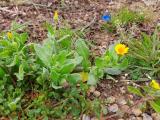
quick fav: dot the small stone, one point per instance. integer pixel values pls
(131, 102)
(97, 93)
(113, 108)
(130, 96)
(137, 112)
(125, 108)
(104, 110)
(92, 89)
(155, 116)
(122, 89)
(123, 78)
(138, 118)
(120, 119)
(146, 116)
(94, 118)
(126, 75)
(132, 118)
(122, 101)
(111, 99)
(85, 117)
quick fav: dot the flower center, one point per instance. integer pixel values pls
(121, 50)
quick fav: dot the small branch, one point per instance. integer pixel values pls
(89, 24)
(111, 116)
(12, 12)
(143, 80)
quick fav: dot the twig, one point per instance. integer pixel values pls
(111, 116)
(135, 81)
(89, 24)
(12, 12)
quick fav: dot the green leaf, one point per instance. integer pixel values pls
(92, 80)
(14, 62)
(155, 106)
(112, 54)
(2, 73)
(135, 91)
(74, 78)
(55, 86)
(23, 37)
(55, 76)
(12, 106)
(83, 50)
(20, 74)
(44, 52)
(100, 62)
(77, 60)
(45, 75)
(61, 57)
(67, 68)
(123, 65)
(112, 71)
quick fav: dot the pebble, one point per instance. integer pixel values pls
(138, 118)
(130, 96)
(94, 118)
(104, 110)
(96, 93)
(137, 112)
(111, 99)
(125, 108)
(131, 102)
(85, 117)
(132, 118)
(92, 89)
(146, 116)
(123, 78)
(135, 118)
(155, 116)
(150, 2)
(122, 101)
(113, 108)
(122, 89)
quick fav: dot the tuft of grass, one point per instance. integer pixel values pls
(124, 17)
(145, 54)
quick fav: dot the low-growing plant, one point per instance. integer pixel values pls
(16, 64)
(144, 54)
(124, 17)
(150, 95)
(113, 62)
(33, 75)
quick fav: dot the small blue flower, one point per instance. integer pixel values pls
(106, 17)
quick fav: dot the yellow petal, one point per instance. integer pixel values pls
(121, 49)
(84, 76)
(9, 35)
(154, 84)
(55, 17)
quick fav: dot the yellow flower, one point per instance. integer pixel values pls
(55, 17)
(84, 76)
(9, 35)
(154, 84)
(121, 49)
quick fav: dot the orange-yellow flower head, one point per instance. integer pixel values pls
(121, 49)
(55, 17)
(9, 35)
